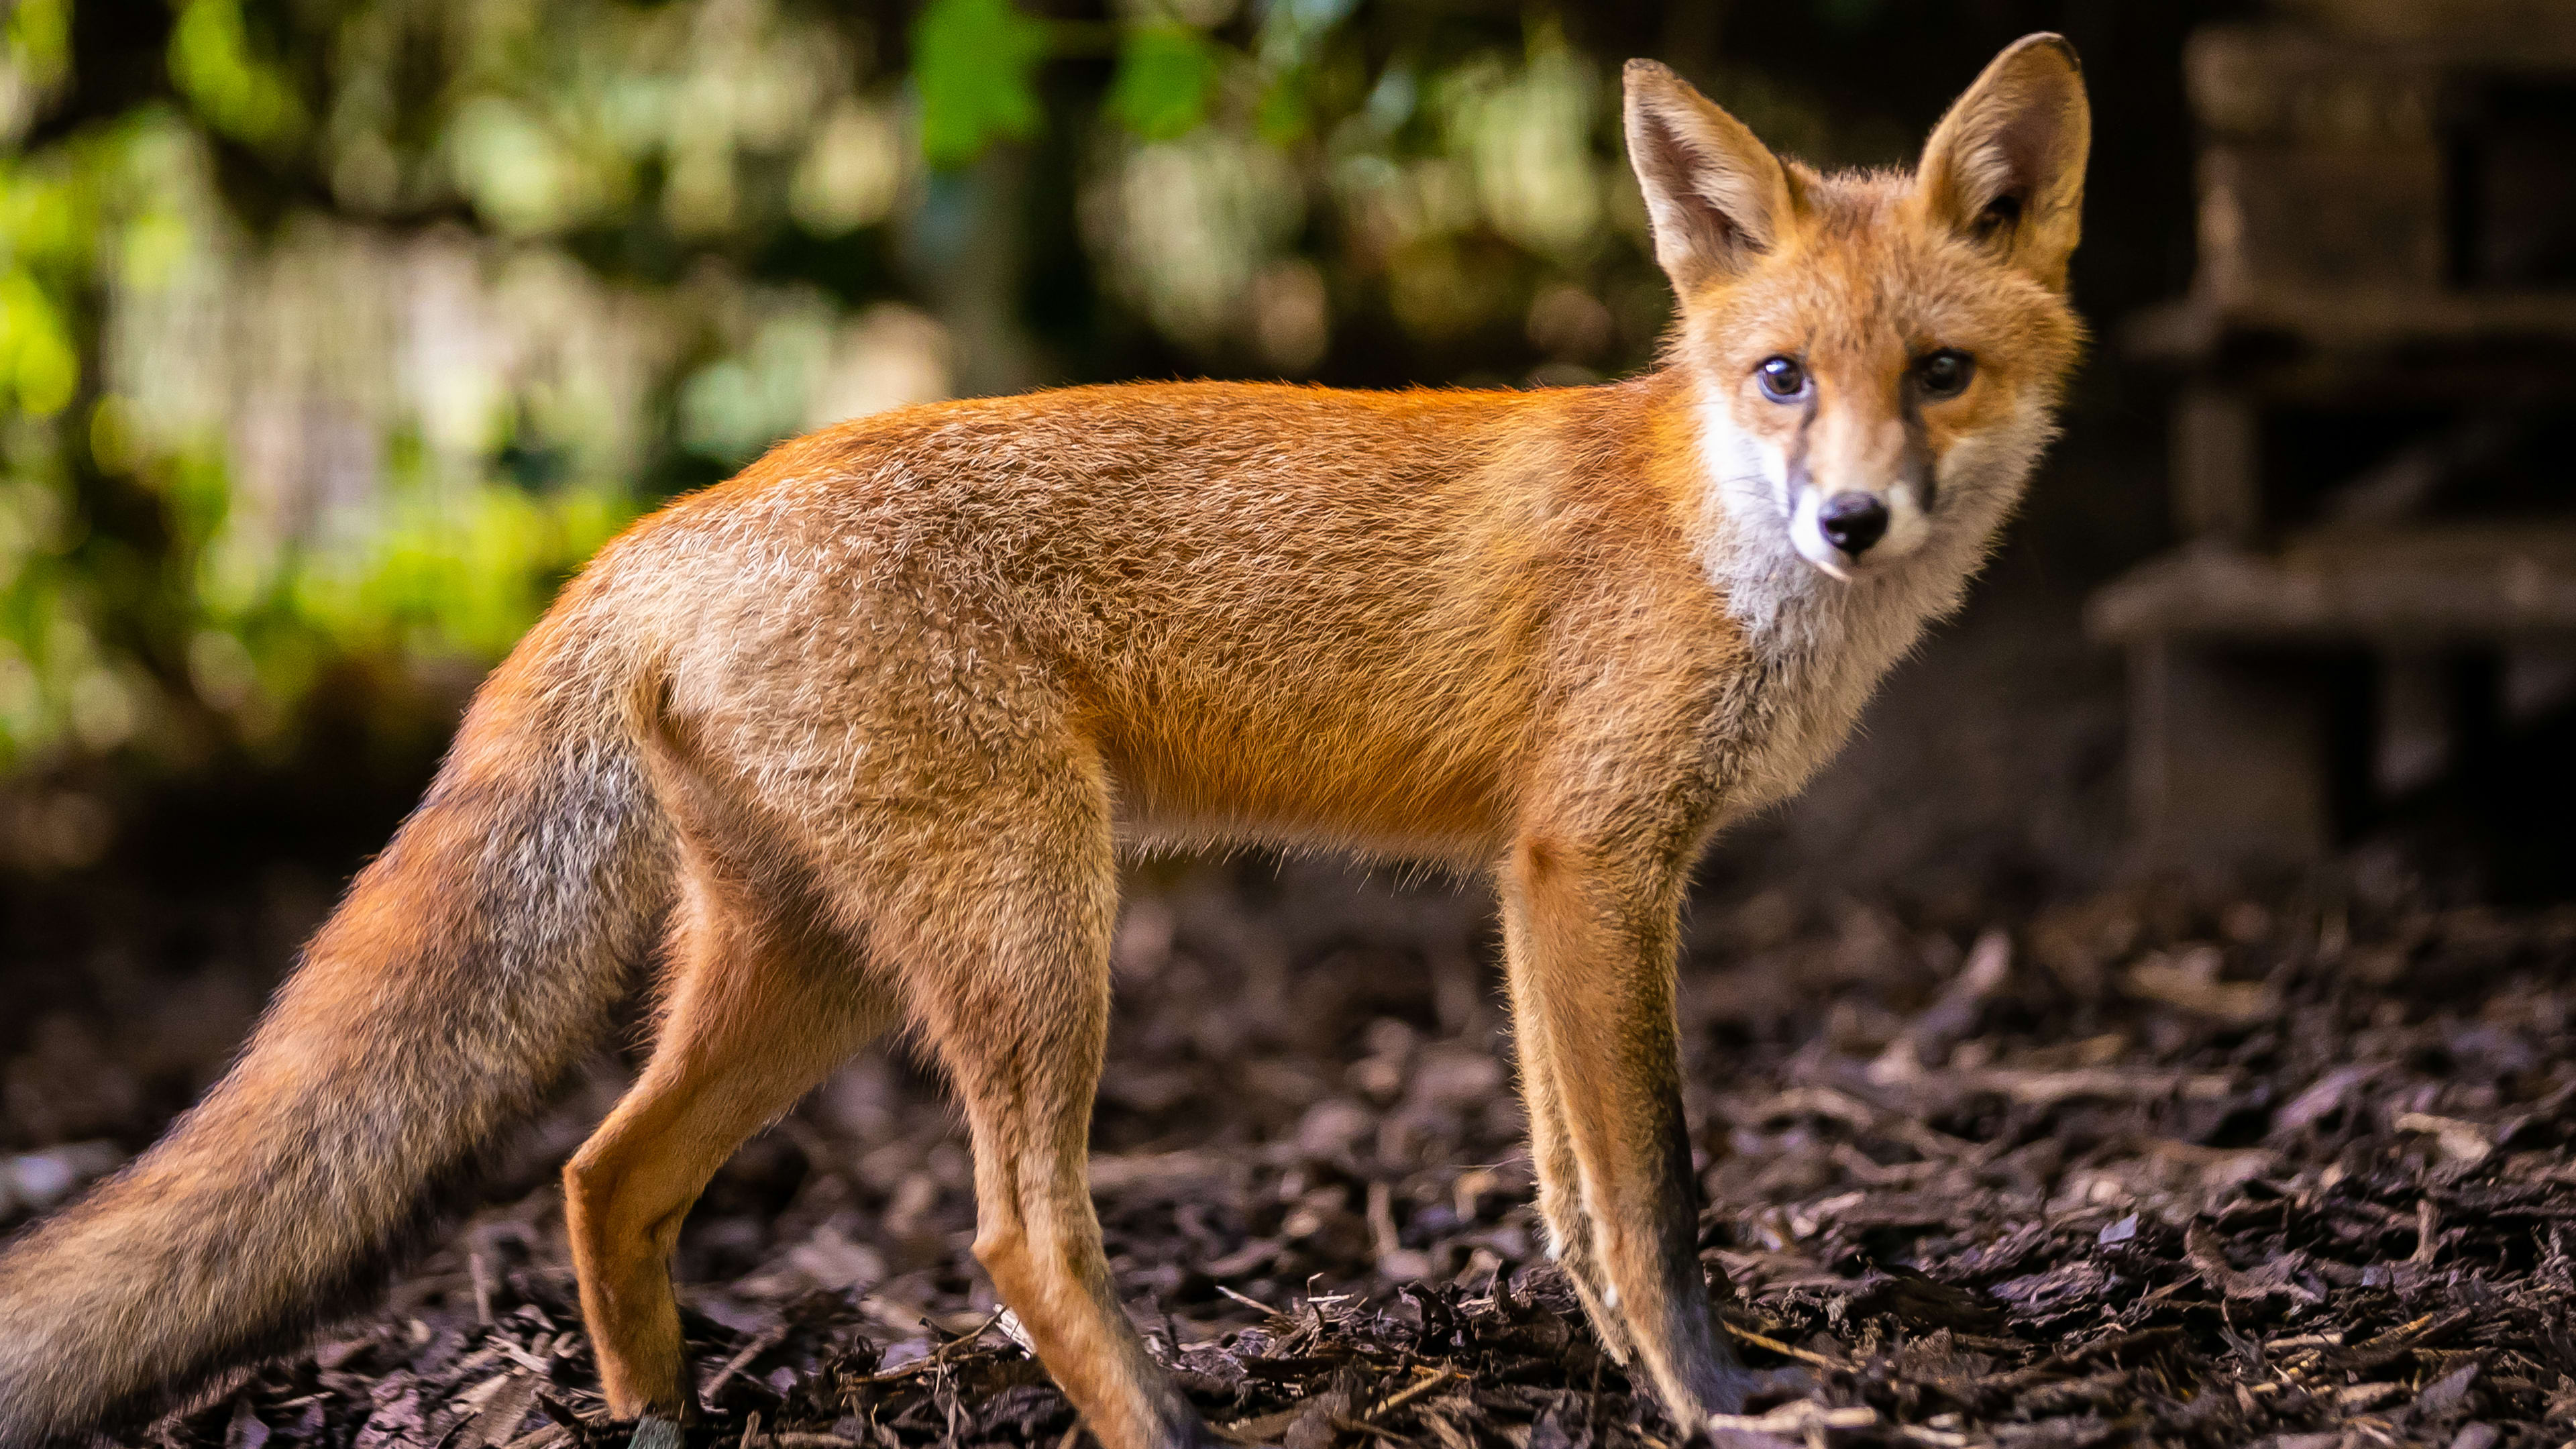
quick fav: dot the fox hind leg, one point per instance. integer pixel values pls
(761, 1004)
(1006, 923)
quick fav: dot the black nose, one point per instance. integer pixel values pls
(1853, 521)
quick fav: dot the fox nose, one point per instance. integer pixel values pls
(1853, 521)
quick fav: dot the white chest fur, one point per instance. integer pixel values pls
(1822, 644)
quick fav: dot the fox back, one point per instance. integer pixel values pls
(1345, 618)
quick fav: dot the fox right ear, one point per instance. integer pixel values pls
(1715, 194)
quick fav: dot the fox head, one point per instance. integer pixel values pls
(1874, 358)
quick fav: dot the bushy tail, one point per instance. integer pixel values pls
(469, 966)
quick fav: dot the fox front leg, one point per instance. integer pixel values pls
(1560, 1195)
(1590, 936)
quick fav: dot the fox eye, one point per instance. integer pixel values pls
(1782, 378)
(1945, 373)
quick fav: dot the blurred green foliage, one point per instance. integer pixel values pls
(336, 332)
(974, 64)
(1166, 74)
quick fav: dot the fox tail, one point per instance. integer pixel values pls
(468, 967)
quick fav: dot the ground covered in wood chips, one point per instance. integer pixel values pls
(2290, 1168)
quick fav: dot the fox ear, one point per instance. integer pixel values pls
(2005, 167)
(1716, 195)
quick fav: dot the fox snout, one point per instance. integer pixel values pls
(1844, 531)
(1852, 522)
(1863, 516)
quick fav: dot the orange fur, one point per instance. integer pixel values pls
(857, 734)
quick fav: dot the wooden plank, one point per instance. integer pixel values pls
(2498, 33)
(2414, 733)
(2198, 327)
(2300, 217)
(2217, 461)
(2227, 758)
(2492, 583)
(2289, 82)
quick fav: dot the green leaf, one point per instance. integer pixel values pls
(1165, 76)
(238, 92)
(973, 63)
(1282, 117)
(40, 41)
(38, 365)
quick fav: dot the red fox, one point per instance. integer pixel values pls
(853, 740)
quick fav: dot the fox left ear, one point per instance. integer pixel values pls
(2005, 168)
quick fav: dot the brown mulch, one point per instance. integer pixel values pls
(2151, 1168)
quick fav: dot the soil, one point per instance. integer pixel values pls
(2288, 1167)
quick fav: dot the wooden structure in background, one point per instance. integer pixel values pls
(2376, 430)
